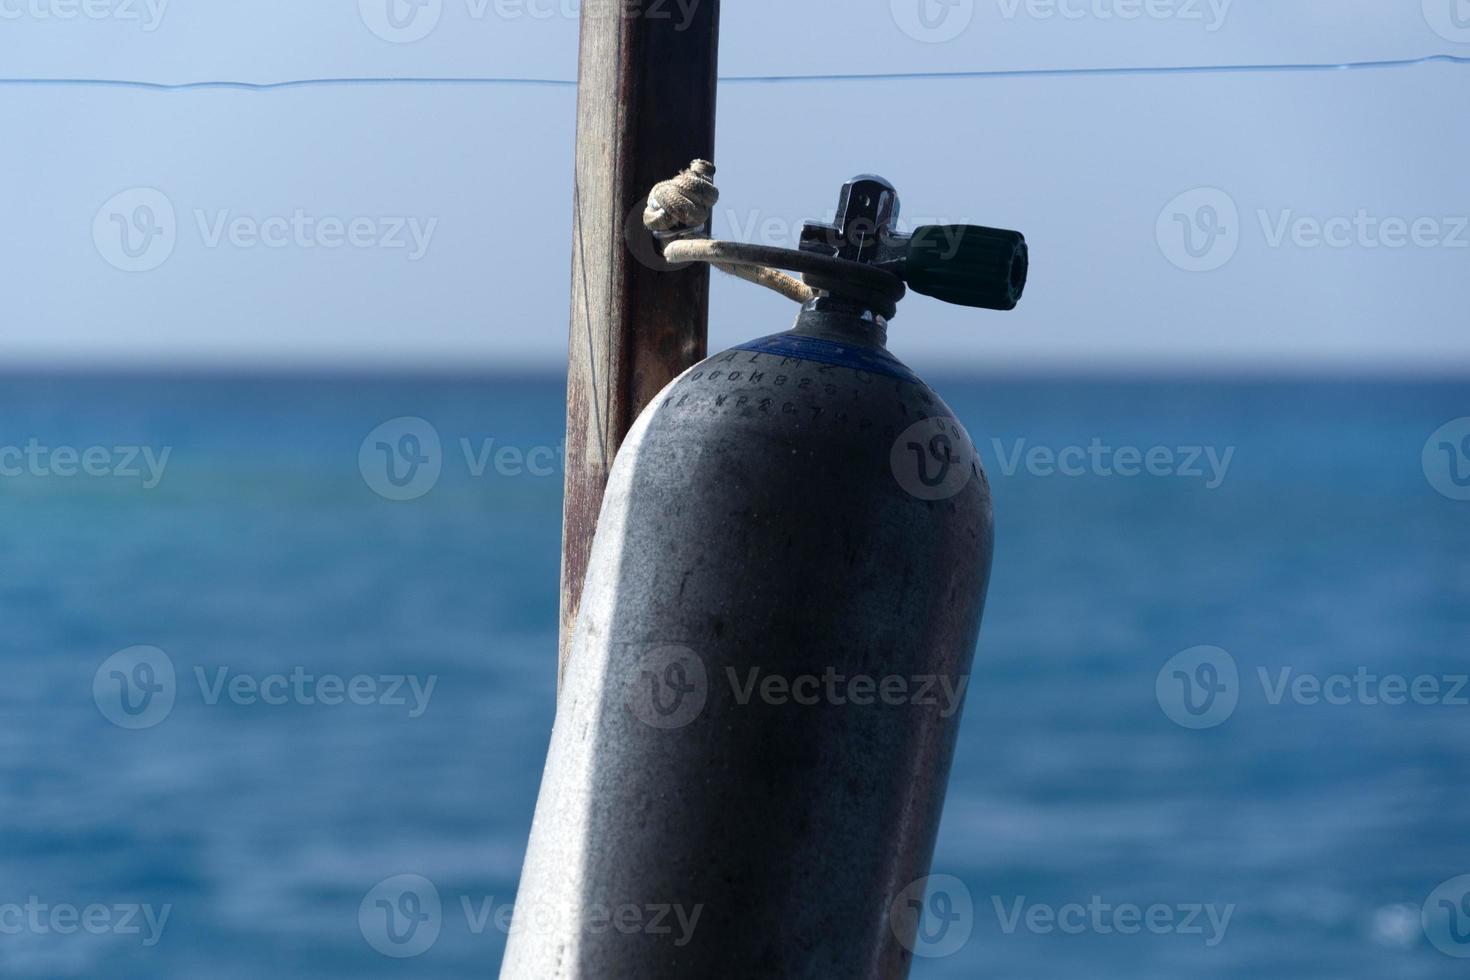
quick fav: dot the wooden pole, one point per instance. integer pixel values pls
(645, 109)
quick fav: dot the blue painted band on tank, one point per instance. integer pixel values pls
(867, 359)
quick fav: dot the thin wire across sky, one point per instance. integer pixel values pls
(1378, 65)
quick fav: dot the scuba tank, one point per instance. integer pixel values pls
(754, 732)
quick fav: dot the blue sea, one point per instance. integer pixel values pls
(214, 750)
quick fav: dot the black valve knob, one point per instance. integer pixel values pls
(967, 265)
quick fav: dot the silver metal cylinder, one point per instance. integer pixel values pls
(754, 734)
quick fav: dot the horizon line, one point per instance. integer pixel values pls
(1018, 369)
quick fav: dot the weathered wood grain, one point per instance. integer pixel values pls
(645, 109)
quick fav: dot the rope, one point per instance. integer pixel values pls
(682, 206)
(679, 210)
(880, 290)
(773, 279)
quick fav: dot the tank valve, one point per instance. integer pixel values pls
(967, 265)
(860, 256)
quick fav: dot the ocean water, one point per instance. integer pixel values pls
(211, 777)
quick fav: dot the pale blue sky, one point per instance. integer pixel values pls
(1091, 168)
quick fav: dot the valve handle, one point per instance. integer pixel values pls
(968, 265)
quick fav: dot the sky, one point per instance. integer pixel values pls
(1256, 220)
